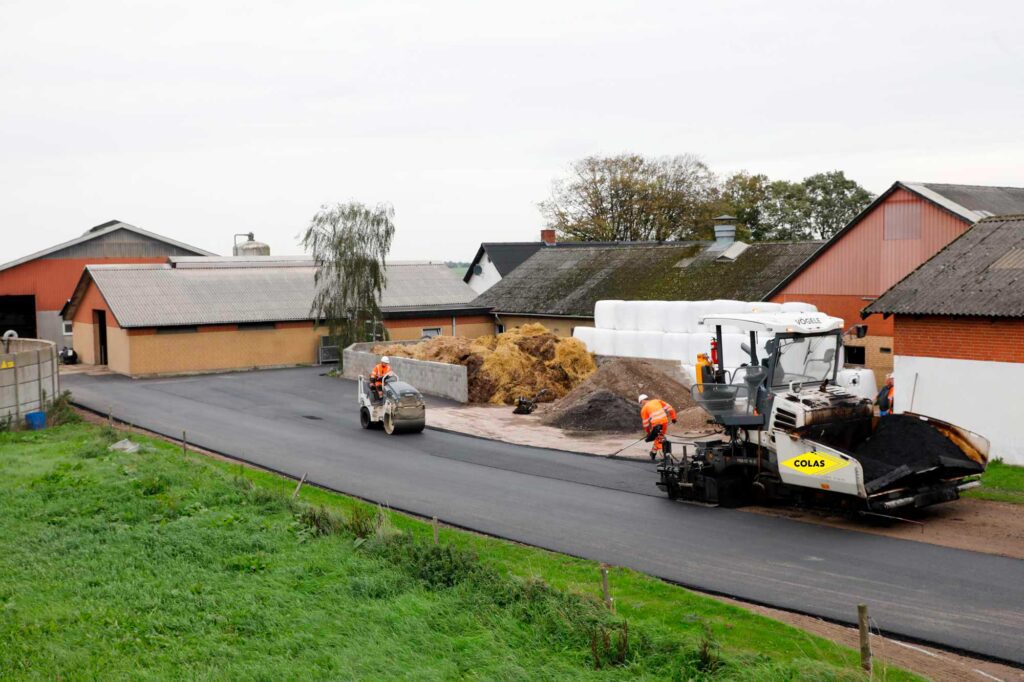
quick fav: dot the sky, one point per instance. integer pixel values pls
(200, 120)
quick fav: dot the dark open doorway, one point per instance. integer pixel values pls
(18, 313)
(99, 320)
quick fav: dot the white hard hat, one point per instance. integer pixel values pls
(385, 359)
(643, 397)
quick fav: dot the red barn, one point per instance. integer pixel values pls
(904, 227)
(33, 289)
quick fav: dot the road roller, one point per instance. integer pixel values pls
(399, 408)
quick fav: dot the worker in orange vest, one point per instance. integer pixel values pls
(885, 397)
(655, 415)
(381, 370)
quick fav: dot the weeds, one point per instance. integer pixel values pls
(61, 412)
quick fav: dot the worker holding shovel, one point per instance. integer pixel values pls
(655, 414)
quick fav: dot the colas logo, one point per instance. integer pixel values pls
(815, 463)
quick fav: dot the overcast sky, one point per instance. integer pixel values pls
(199, 120)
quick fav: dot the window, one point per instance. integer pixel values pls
(854, 355)
(430, 332)
(885, 350)
(255, 326)
(67, 327)
(499, 329)
(902, 220)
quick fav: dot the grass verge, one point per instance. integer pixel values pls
(154, 565)
(1000, 483)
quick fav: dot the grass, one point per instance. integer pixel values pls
(153, 565)
(1000, 483)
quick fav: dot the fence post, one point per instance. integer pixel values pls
(433, 522)
(865, 641)
(608, 601)
(298, 487)
(184, 444)
(39, 380)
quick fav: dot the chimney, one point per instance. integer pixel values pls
(725, 231)
(547, 236)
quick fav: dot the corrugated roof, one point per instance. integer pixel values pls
(567, 282)
(99, 231)
(192, 293)
(981, 273)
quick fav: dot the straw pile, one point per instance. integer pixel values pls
(519, 362)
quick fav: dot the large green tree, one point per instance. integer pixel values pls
(630, 197)
(815, 208)
(349, 243)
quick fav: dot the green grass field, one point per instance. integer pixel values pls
(154, 565)
(1001, 483)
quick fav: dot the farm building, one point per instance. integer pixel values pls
(33, 289)
(494, 260)
(900, 230)
(212, 314)
(958, 324)
(558, 287)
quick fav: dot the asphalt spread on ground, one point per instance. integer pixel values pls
(299, 421)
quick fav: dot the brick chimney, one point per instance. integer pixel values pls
(547, 236)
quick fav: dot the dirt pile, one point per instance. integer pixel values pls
(606, 401)
(520, 362)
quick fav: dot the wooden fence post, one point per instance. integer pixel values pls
(299, 486)
(184, 444)
(433, 522)
(865, 641)
(608, 601)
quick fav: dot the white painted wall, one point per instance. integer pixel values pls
(488, 277)
(984, 397)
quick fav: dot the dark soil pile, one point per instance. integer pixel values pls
(607, 400)
(900, 440)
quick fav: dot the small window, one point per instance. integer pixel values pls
(431, 332)
(855, 355)
(67, 327)
(255, 326)
(885, 350)
(176, 330)
(499, 329)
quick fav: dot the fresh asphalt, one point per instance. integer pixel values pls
(298, 421)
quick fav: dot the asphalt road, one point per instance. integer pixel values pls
(297, 421)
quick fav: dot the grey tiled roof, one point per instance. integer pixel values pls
(981, 273)
(568, 281)
(197, 291)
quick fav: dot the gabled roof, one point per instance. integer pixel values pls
(970, 203)
(568, 281)
(197, 291)
(981, 273)
(100, 231)
(506, 256)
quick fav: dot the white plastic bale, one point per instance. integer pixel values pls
(604, 340)
(691, 370)
(798, 307)
(677, 317)
(698, 309)
(627, 315)
(733, 354)
(675, 346)
(586, 335)
(604, 314)
(651, 316)
(649, 344)
(724, 307)
(699, 343)
(624, 343)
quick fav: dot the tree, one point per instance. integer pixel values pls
(349, 243)
(834, 201)
(815, 208)
(633, 198)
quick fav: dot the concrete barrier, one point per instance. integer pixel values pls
(28, 376)
(432, 378)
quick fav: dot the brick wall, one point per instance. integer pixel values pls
(960, 338)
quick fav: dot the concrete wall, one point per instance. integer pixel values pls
(981, 396)
(28, 377)
(559, 326)
(432, 378)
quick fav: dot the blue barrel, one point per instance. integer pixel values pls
(35, 420)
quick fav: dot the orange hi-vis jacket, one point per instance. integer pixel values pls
(656, 412)
(379, 372)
